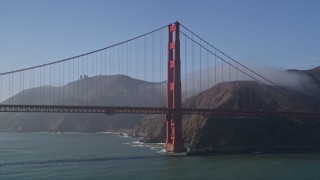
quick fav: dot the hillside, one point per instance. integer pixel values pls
(113, 90)
(240, 134)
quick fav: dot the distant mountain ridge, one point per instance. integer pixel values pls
(98, 90)
(114, 90)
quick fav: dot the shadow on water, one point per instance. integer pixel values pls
(62, 161)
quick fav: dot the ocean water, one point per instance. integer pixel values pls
(109, 156)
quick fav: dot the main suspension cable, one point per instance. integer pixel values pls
(88, 53)
(229, 57)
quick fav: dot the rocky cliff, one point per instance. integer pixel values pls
(241, 134)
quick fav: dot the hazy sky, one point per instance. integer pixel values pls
(284, 34)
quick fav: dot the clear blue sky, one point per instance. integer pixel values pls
(280, 33)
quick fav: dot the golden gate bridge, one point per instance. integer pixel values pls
(178, 63)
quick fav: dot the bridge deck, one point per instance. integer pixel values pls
(111, 110)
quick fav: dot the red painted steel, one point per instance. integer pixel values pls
(174, 141)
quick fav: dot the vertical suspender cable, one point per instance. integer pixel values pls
(82, 82)
(215, 69)
(73, 79)
(236, 71)
(130, 69)
(87, 81)
(222, 69)
(110, 71)
(1, 89)
(144, 58)
(21, 89)
(118, 59)
(19, 101)
(24, 94)
(95, 75)
(61, 84)
(10, 95)
(106, 76)
(244, 75)
(113, 68)
(92, 66)
(229, 71)
(121, 60)
(50, 85)
(44, 84)
(53, 82)
(193, 66)
(29, 99)
(138, 58)
(160, 63)
(128, 59)
(127, 73)
(152, 65)
(9, 86)
(41, 88)
(208, 77)
(12, 99)
(96, 82)
(101, 79)
(69, 85)
(79, 75)
(12, 76)
(200, 65)
(185, 63)
(33, 96)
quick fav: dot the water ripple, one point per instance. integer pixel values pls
(59, 161)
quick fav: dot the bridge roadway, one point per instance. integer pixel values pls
(112, 110)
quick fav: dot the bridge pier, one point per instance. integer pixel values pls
(174, 141)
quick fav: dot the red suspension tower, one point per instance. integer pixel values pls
(174, 141)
